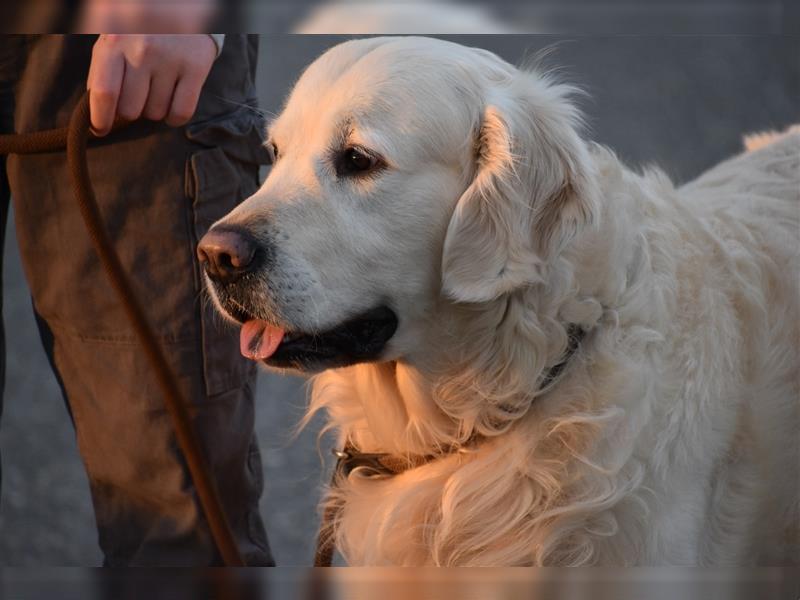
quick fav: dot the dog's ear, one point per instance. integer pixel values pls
(533, 189)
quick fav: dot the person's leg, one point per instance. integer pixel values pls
(12, 58)
(4, 200)
(158, 192)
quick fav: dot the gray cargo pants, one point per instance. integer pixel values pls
(159, 190)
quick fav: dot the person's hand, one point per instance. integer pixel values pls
(158, 77)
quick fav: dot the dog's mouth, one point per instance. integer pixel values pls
(359, 339)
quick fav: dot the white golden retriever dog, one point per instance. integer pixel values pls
(580, 364)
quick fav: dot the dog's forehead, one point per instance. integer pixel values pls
(385, 83)
(386, 58)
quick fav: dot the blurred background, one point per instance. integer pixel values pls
(681, 102)
(427, 16)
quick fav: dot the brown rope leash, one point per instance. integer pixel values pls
(75, 138)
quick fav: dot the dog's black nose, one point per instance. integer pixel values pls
(227, 254)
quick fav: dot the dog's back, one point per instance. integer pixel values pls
(753, 205)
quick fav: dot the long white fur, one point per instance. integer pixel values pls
(672, 436)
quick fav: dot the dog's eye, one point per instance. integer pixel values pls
(354, 161)
(273, 150)
(359, 161)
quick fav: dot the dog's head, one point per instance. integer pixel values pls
(409, 174)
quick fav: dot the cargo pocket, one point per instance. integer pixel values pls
(240, 133)
(215, 184)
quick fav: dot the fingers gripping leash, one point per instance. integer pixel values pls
(74, 139)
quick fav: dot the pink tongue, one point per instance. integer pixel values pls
(259, 340)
